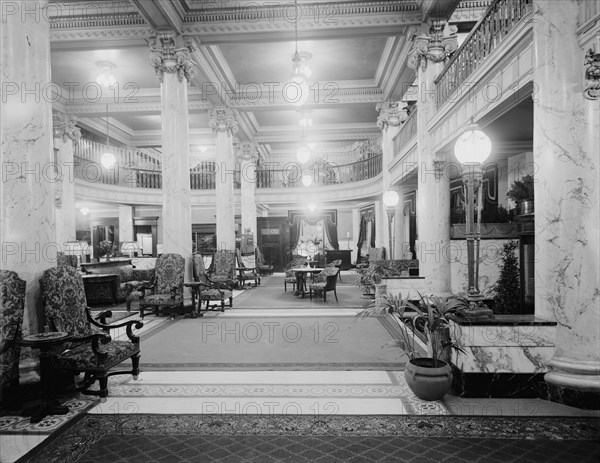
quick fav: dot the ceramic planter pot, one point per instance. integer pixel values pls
(525, 207)
(428, 382)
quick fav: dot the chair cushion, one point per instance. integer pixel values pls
(318, 286)
(212, 294)
(82, 357)
(290, 280)
(162, 299)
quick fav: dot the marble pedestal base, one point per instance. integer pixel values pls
(504, 357)
(571, 397)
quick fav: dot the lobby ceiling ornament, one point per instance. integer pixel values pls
(591, 89)
(169, 54)
(391, 113)
(434, 47)
(296, 91)
(222, 119)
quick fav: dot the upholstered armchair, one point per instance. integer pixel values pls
(12, 305)
(166, 288)
(324, 282)
(290, 277)
(246, 268)
(264, 268)
(91, 350)
(204, 290)
(222, 268)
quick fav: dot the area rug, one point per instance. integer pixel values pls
(252, 438)
(117, 315)
(272, 343)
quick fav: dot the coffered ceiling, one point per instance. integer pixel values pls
(243, 50)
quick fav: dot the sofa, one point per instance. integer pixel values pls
(128, 279)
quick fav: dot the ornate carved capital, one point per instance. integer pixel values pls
(222, 119)
(435, 47)
(391, 113)
(169, 53)
(591, 89)
(247, 151)
(64, 127)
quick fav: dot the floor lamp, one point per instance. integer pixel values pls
(390, 200)
(472, 148)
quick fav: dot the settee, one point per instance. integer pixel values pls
(128, 279)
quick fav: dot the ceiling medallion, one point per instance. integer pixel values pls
(105, 77)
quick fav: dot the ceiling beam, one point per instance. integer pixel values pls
(161, 15)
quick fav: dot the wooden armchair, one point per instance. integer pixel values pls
(246, 268)
(91, 350)
(264, 268)
(336, 263)
(12, 306)
(290, 277)
(166, 286)
(324, 282)
(203, 289)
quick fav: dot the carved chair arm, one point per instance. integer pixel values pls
(137, 324)
(10, 340)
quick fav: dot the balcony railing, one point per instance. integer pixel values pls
(407, 132)
(127, 170)
(500, 18)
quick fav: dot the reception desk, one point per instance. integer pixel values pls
(343, 254)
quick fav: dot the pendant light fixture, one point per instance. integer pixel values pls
(296, 90)
(108, 159)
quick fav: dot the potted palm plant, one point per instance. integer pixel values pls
(521, 192)
(428, 375)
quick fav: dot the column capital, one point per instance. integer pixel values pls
(434, 47)
(171, 54)
(391, 113)
(591, 89)
(64, 127)
(222, 119)
(247, 151)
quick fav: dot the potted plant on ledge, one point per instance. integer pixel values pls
(428, 376)
(521, 192)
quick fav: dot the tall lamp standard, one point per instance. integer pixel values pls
(390, 200)
(472, 148)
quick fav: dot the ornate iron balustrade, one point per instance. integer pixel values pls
(137, 169)
(407, 132)
(499, 19)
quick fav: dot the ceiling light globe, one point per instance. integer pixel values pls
(303, 154)
(307, 180)
(390, 198)
(108, 160)
(295, 92)
(473, 146)
(84, 210)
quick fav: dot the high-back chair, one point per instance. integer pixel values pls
(324, 282)
(336, 263)
(207, 291)
(246, 268)
(91, 350)
(12, 306)
(222, 268)
(264, 268)
(167, 285)
(290, 277)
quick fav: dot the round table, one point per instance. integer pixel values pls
(301, 273)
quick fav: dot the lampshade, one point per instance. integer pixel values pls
(303, 154)
(390, 198)
(307, 180)
(473, 146)
(108, 160)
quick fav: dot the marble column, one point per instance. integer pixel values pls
(392, 115)
(399, 226)
(27, 225)
(381, 225)
(433, 199)
(247, 155)
(65, 135)
(566, 154)
(125, 223)
(224, 126)
(173, 65)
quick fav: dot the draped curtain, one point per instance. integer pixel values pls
(366, 218)
(328, 219)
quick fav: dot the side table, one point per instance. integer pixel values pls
(44, 342)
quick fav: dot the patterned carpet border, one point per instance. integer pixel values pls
(70, 444)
